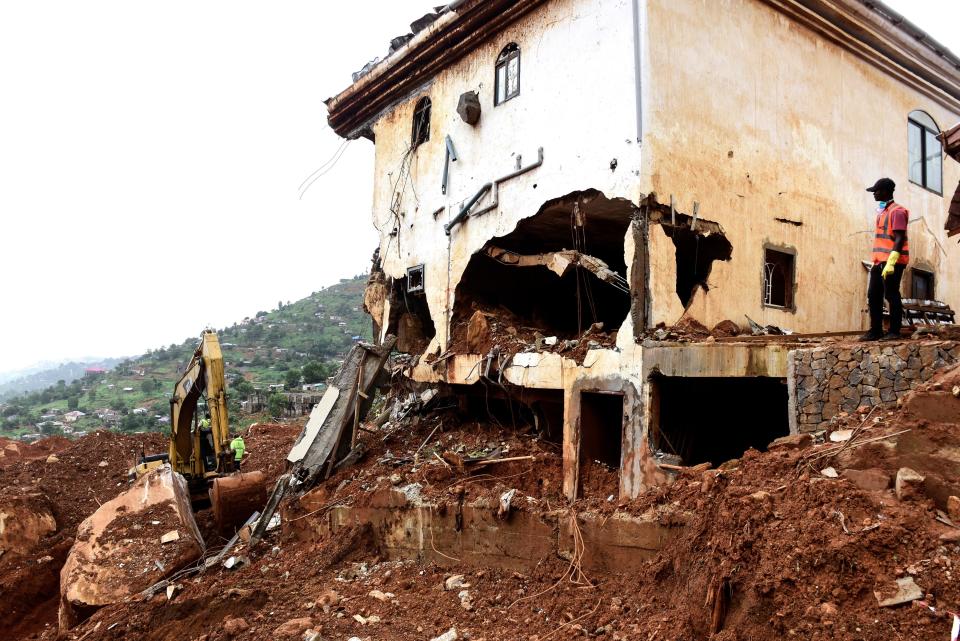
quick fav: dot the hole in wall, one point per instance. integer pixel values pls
(410, 319)
(539, 298)
(695, 253)
(601, 427)
(700, 420)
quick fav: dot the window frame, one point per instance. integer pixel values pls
(915, 119)
(931, 278)
(790, 280)
(423, 104)
(506, 55)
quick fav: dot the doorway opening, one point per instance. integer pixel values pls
(713, 420)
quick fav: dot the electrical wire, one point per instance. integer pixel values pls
(317, 176)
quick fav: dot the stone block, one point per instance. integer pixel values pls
(844, 355)
(885, 382)
(869, 390)
(901, 385)
(903, 351)
(909, 484)
(804, 369)
(819, 363)
(856, 376)
(887, 395)
(870, 379)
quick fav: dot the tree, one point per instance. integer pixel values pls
(242, 387)
(149, 386)
(92, 394)
(276, 405)
(292, 379)
(73, 402)
(315, 372)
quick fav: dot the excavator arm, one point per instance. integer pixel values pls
(197, 452)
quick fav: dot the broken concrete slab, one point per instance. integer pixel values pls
(118, 553)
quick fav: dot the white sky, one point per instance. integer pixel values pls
(150, 156)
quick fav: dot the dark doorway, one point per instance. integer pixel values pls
(601, 427)
(714, 420)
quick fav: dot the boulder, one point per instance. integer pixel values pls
(25, 519)
(953, 508)
(118, 553)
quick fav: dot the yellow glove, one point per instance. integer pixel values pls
(891, 261)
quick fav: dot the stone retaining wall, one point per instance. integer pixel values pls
(842, 377)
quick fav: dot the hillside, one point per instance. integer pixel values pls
(30, 381)
(296, 343)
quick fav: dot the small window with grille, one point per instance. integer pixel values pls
(507, 83)
(778, 271)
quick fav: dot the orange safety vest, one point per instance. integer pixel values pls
(883, 237)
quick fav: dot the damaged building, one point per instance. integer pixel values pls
(568, 193)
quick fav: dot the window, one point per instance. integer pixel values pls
(778, 269)
(921, 285)
(421, 123)
(507, 83)
(924, 150)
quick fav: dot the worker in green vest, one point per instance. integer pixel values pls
(238, 448)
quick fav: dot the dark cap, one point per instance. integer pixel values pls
(884, 184)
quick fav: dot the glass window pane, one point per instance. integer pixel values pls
(934, 160)
(501, 83)
(513, 76)
(915, 152)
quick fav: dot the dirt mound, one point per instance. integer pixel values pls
(83, 475)
(13, 451)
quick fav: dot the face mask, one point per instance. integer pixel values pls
(882, 204)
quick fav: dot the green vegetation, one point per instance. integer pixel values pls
(296, 344)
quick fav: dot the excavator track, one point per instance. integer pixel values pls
(234, 498)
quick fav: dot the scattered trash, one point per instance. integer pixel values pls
(170, 537)
(505, 499)
(235, 562)
(907, 591)
(172, 589)
(455, 582)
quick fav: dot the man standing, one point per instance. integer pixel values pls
(238, 448)
(891, 253)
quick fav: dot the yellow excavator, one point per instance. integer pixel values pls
(200, 451)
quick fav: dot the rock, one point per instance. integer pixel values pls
(829, 472)
(455, 582)
(839, 436)
(233, 627)
(725, 328)
(465, 601)
(870, 480)
(328, 600)
(953, 508)
(449, 635)
(792, 442)
(25, 520)
(311, 635)
(117, 555)
(478, 332)
(293, 627)
(828, 610)
(381, 596)
(53, 459)
(170, 537)
(362, 620)
(909, 484)
(907, 591)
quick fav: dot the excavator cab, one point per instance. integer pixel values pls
(202, 453)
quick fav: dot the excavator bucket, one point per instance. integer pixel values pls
(234, 498)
